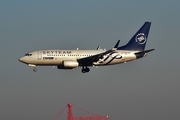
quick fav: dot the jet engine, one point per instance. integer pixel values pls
(68, 64)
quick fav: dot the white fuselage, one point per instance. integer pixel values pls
(56, 57)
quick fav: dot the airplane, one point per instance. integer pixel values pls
(69, 59)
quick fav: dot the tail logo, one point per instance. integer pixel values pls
(141, 38)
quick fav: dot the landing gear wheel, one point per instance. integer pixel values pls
(84, 70)
(34, 69)
(87, 69)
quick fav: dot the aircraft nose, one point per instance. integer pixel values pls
(22, 59)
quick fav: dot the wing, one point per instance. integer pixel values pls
(88, 61)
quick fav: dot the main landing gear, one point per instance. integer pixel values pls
(85, 69)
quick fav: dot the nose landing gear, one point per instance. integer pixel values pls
(34, 69)
(85, 69)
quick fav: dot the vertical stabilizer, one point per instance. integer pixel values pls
(139, 40)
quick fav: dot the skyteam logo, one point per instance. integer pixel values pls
(141, 38)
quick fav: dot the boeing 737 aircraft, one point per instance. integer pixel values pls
(69, 59)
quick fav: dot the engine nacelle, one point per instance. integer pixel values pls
(68, 64)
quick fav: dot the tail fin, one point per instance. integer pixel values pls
(138, 41)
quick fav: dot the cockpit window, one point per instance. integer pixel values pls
(28, 54)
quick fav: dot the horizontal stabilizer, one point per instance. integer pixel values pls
(146, 51)
(142, 53)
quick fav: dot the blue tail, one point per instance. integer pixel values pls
(138, 41)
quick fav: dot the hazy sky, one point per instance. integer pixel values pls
(146, 89)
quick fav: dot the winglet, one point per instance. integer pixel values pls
(117, 44)
(98, 48)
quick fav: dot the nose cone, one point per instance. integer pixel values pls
(22, 59)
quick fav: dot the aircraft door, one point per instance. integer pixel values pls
(39, 55)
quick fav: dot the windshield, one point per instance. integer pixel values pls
(28, 54)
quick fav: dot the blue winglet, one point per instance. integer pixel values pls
(117, 44)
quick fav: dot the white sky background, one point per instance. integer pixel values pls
(146, 89)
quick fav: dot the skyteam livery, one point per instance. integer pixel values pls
(69, 59)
